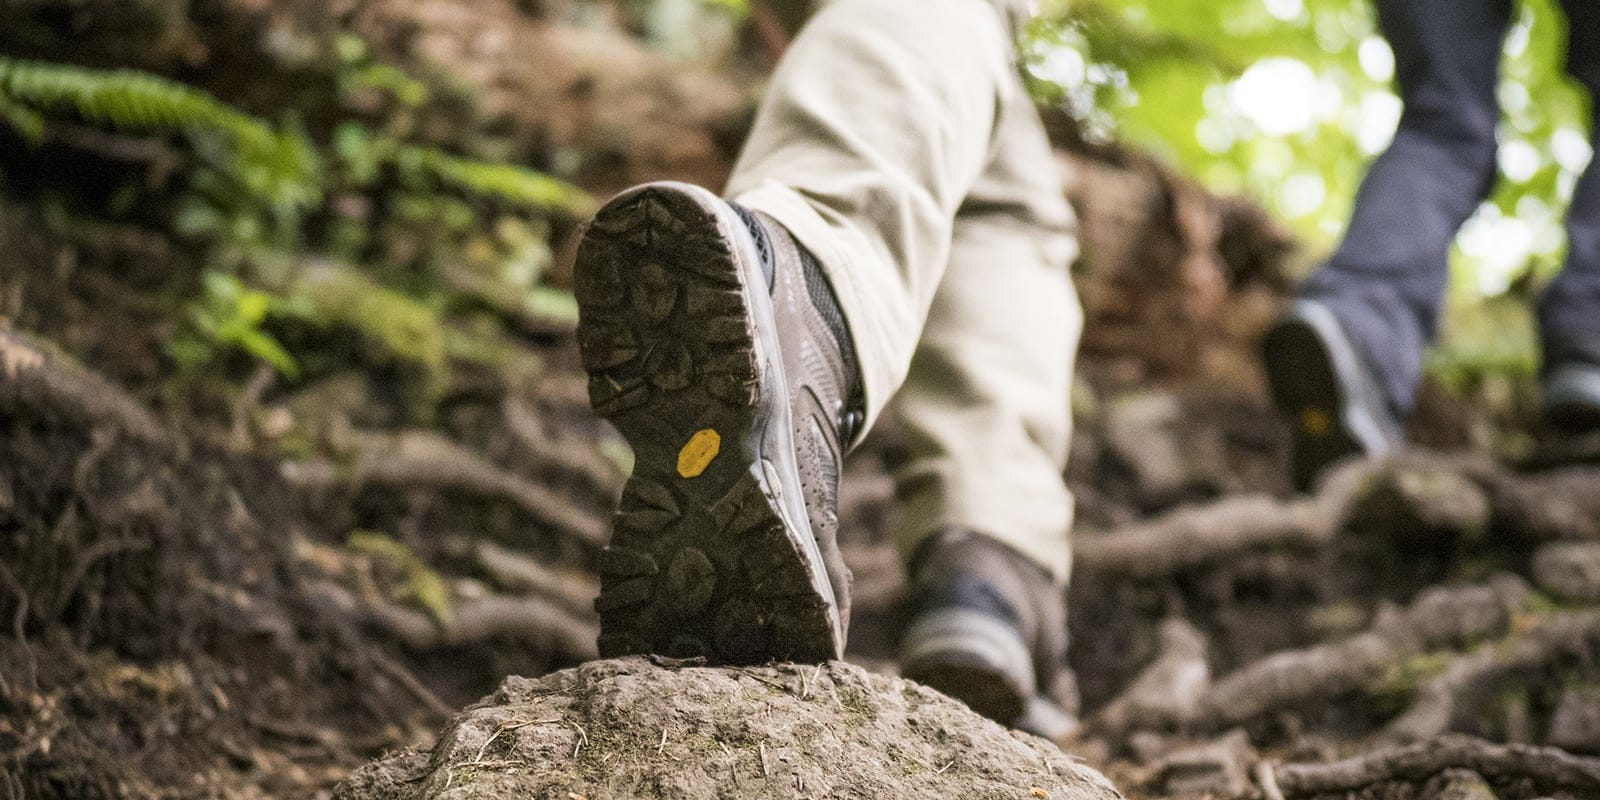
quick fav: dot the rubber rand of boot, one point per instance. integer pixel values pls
(711, 553)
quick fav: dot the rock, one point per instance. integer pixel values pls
(1569, 570)
(1458, 784)
(632, 727)
(1424, 506)
(1575, 725)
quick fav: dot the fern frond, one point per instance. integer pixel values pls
(512, 184)
(278, 166)
(25, 120)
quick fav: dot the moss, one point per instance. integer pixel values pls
(397, 330)
(419, 582)
(858, 703)
(1395, 688)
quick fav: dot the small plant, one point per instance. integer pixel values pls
(417, 582)
(228, 316)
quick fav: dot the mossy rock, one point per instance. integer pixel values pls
(633, 728)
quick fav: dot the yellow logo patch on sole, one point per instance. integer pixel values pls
(698, 454)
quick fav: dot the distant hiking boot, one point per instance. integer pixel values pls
(1333, 404)
(989, 628)
(1570, 395)
(715, 345)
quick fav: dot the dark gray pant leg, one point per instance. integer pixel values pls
(1386, 281)
(1569, 311)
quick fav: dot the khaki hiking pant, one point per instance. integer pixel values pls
(897, 143)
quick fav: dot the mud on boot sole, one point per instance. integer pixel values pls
(712, 554)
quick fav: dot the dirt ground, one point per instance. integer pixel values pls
(228, 581)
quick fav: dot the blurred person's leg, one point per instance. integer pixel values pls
(1569, 310)
(1367, 315)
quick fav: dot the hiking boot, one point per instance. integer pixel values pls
(989, 628)
(1332, 402)
(1570, 395)
(715, 346)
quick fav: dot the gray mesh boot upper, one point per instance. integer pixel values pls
(716, 351)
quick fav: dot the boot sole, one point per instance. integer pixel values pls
(982, 688)
(1326, 423)
(712, 554)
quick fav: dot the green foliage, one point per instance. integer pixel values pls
(418, 582)
(277, 167)
(295, 228)
(393, 327)
(228, 315)
(506, 183)
(1288, 100)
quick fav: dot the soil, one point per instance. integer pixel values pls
(635, 728)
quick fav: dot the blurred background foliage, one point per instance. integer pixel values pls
(1285, 101)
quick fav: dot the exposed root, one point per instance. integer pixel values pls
(421, 459)
(580, 462)
(1470, 679)
(1549, 768)
(1167, 690)
(35, 375)
(534, 621)
(573, 591)
(1437, 618)
(1195, 536)
(1424, 491)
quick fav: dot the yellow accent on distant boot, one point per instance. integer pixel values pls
(1315, 421)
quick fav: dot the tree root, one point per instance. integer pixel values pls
(578, 462)
(1471, 678)
(1462, 496)
(535, 621)
(1549, 768)
(1195, 536)
(422, 459)
(1167, 690)
(35, 375)
(573, 591)
(1437, 618)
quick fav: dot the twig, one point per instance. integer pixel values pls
(583, 739)
(663, 744)
(941, 770)
(1267, 779)
(404, 677)
(762, 747)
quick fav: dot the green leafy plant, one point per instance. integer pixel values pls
(418, 582)
(228, 316)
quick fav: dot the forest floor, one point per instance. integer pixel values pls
(220, 577)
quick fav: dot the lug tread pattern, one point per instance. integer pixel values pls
(699, 566)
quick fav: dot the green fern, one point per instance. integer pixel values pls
(505, 182)
(280, 168)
